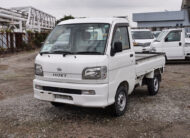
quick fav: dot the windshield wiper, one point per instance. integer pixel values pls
(62, 52)
(89, 53)
(41, 53)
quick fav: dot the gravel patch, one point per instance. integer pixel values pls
(164, 115)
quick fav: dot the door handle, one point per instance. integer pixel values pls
(180, 43)
(131, 55)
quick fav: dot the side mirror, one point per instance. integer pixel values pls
(116, 48)
(166, 39)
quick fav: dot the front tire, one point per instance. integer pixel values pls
(121, 100)
(153, 86)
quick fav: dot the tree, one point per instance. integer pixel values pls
(66, 17)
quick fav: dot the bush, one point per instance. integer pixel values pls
(27, 46)
(38, 38)
(2, 50)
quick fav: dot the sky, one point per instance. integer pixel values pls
(95, 8)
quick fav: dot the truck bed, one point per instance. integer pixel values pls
(148, 62)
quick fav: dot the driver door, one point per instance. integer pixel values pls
(173, 46)
(122, 64)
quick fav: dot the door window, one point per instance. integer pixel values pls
(121, 35)
(173, 36)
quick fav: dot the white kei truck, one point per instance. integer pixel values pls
(173, 43)
(94, 65)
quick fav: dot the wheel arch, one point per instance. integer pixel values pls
(158, 73)
(125, 84)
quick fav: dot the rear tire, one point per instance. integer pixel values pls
(56, 104)
(153, 86)
(121, 99)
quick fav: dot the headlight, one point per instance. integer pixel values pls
(141, 44)
(147, 44)
(38, 70)
(137, 44)
(95, 73)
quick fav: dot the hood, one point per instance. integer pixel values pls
(187, 40)
(143, 40)
(156, 46)
(155, 43)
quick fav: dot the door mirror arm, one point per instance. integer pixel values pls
(180, 43)
(112, 52)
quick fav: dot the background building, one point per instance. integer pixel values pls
(21, 19)
(167, 19)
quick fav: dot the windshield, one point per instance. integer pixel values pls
(156, 34)
(142, 35)
(77, 39)
(161, 36)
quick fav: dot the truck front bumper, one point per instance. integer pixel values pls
(99, 99)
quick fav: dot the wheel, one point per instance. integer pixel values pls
(153, 86)
(121, 100)
(56, 104)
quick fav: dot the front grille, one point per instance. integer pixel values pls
(62, 90)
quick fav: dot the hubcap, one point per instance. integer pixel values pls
(156, 84)
(121, 101)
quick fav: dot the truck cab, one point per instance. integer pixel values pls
(94, 66)
(173, 43)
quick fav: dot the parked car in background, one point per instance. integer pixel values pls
(97, 68)
(156, 33)
(173, 43)
(187, 35)
(142, 39)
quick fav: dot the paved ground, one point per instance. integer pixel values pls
(165, 115)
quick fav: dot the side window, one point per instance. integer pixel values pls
(121, 35)
(173, 36)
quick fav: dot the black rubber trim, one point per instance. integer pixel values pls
(62, 90)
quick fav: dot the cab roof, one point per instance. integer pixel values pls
(141, 30)
(173, 29)
(95, 20)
